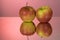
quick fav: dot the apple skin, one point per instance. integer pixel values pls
(27, 13)
(27, 28)
(44, 14)
(44, 29)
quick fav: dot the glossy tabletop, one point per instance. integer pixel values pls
(10, 29)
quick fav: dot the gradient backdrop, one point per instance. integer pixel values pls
(10, 22)
(11, 7)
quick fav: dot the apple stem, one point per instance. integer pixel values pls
(41, 37)
(26, 3)
(27, 38)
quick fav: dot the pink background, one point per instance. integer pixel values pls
(10, 25)
(11, 7)
(10, 29)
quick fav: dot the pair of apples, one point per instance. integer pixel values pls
(28, 13)
(42, 29)
(43, 14)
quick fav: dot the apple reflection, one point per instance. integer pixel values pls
(27, 28)
(44, 29)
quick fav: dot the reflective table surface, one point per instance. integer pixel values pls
(10, 29)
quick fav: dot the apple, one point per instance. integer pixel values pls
(44, 14)
(27, 28)
(27, 13)
(44, 29)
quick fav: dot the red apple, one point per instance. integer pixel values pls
(44, 14)
(44, 29)
(27, 28)
(27, 13)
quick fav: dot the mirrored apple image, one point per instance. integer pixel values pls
(27, 28)
(44, 29)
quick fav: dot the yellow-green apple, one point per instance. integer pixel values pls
(27, 28)
(27, 13)
(44, 14)
(44, 29)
